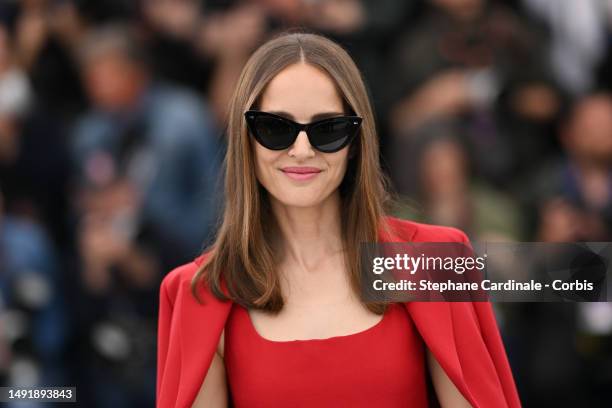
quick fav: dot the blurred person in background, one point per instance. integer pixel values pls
(577, 30)
(121, 260)
(161, 138)
(449, 193)
(458, 63)
(34, 166)
(33, 313)
(574, 193)
(45, 35)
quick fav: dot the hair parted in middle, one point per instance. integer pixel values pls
(241, 264)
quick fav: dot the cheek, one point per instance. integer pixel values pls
(265, 164)
(338, 166)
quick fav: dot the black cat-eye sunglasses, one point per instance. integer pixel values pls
(326, 135)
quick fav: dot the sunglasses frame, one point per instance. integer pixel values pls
(252, 115)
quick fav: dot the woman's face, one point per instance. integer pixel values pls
(300, 175)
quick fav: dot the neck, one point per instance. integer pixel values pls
(309, 234)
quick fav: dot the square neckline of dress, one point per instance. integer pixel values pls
(366, 331)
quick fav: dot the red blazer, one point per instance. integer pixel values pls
(463, 336)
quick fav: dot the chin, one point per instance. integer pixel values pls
(302, 199)
(298, 196)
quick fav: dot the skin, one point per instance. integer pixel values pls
(319, 301)
(112, 82)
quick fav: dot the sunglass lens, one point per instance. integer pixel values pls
(332, 135)
(273, 133)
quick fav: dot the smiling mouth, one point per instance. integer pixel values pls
(301, 173)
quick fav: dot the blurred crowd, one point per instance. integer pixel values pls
(493, 116)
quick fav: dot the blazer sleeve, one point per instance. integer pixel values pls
(465, 340)
(187, 336)
(163, 333)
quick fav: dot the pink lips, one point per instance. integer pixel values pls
(301, 173)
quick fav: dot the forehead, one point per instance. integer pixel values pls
(302, 90)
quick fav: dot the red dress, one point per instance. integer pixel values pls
(462, 336)
(382, 366)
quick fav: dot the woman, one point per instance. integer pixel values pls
(270, 315)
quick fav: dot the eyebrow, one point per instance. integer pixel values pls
(318, 116)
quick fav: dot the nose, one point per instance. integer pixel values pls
(301, 148)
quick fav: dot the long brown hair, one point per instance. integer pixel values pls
(241, 257)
